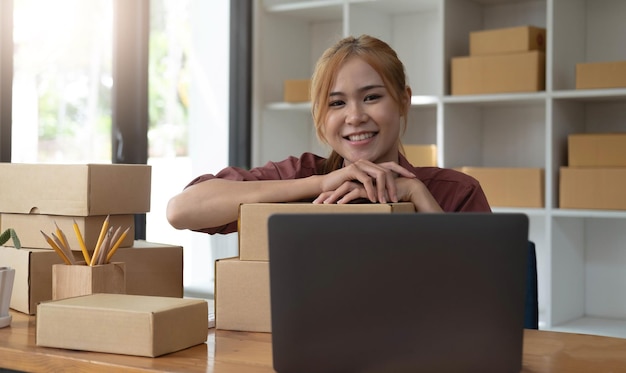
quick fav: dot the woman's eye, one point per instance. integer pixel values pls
(335, 103)
(372, 97)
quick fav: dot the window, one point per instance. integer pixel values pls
(63, 100)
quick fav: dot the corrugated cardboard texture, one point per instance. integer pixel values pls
(421, 155)
(33, 276)
(123, 324)
(297, 90)
(75, 190)
(510, 187)
(28, 227)
(151, 269)
(242, 295)
(253, 239)
(505, 73)
(601, 75)
(597, 150)
(507, 40)
(592, 188)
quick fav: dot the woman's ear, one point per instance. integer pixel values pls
(406, 99)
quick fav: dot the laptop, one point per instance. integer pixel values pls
(398, 292)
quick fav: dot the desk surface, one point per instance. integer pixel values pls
(241, 352)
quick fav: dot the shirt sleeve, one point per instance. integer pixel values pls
(288, 169)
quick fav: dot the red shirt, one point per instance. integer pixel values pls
(453, 190)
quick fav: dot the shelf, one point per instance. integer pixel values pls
(595, 326)
(589, 213)
(498, 99)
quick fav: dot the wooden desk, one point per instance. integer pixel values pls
(241, 352)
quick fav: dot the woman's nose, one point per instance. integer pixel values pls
(356, 114)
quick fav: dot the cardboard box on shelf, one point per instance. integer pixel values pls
(28, 227)
(421, 155)
(75, 190)
(507, 40)
(596, 150)
(151, 269)
(253, 241)
(297, 90)
(510, 187)
(123, 324)
(242, 295)
(592, 188)
(601, 75)
(505, 73)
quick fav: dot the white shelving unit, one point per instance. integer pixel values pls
(581, 253)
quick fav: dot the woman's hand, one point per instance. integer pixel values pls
(362, 179)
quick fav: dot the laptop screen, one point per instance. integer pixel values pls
(397, 292)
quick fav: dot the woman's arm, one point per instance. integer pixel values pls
(215, 202)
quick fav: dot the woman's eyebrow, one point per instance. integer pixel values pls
(362, 89)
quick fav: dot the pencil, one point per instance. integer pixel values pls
(117, 244)
(65, 249)
(81, 243)
(61, 235)
(56, 248)
(104, 248)
(96, 251)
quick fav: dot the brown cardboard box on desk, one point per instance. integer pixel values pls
(242, 295)
(29, 226)
(151, 269)
(253, 220)
(75, 190)
(123, 324)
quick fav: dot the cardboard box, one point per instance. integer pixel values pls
(297, 90)
(253, 240)
(33, 276)
(592, 188)
(151, 269)
(597, 150)
(123, 324)
(28, 227)
(421, 155)
(507, 40)
(77, 280)
(601, 75)
(505, 73)
(75, 190)
(242, 295)
(510, 187)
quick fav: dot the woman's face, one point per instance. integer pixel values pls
(363, 120)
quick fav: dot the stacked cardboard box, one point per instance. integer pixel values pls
(242, 288)
(297, 90)
(40, 197)
(596, 176)
(510, 187)
(421, 155)
(500, 61)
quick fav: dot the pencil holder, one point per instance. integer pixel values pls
(76, 280)
(7, 276)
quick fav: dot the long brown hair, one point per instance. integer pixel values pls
(375, 52)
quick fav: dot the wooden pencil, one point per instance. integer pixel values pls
(56, 248)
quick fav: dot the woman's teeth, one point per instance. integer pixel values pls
(361, 136)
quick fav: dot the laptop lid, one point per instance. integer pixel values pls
(397, 292)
